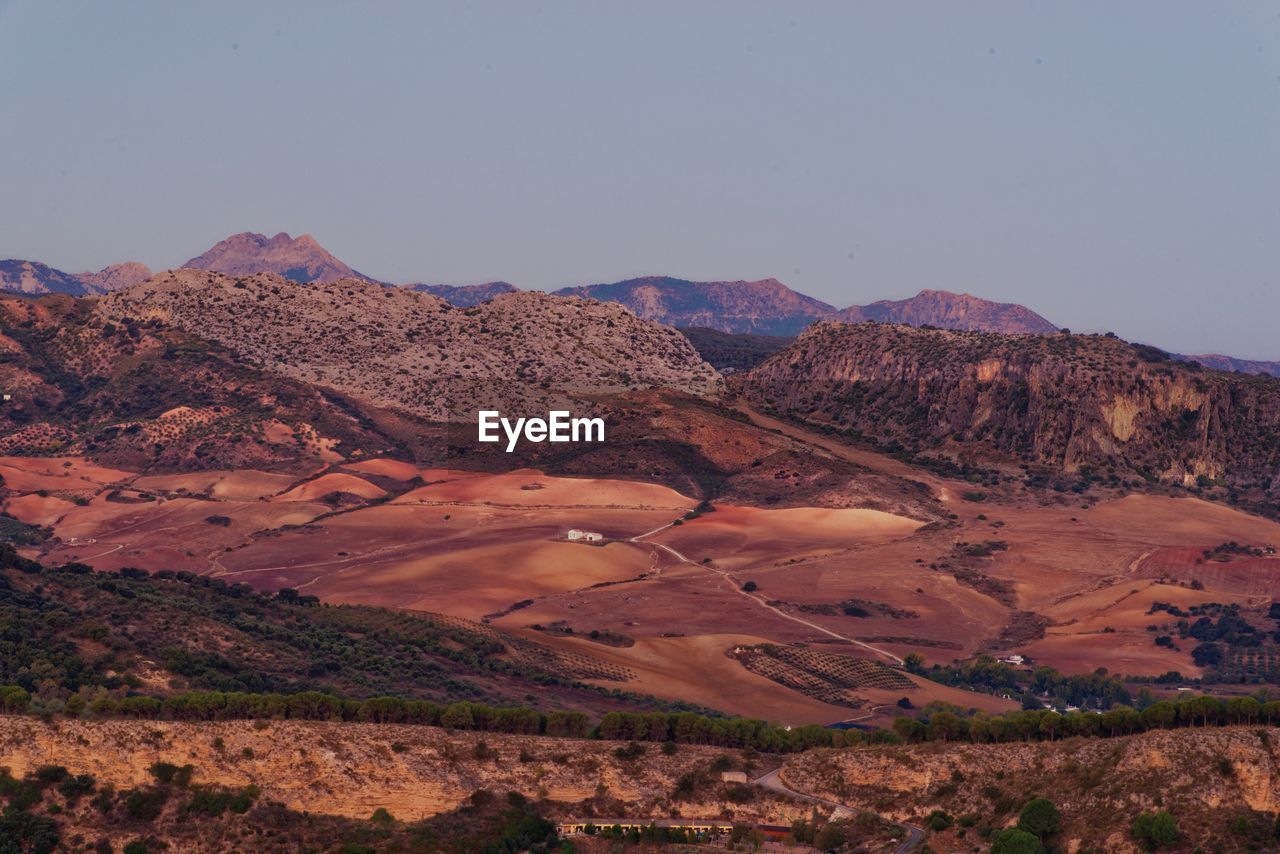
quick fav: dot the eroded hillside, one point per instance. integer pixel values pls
(1092, 405)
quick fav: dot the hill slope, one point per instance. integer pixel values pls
(766, 306)
(1081, 403)
(32, 277)
(465, 296)
(300, 259)
(416, 353)
(947, 310)
(144, 396)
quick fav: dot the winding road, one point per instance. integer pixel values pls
(773, 782)
(639, 539)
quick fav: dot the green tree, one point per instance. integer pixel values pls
(1156, 830)
(1040, 818)
(914, 662)
(1015, 841)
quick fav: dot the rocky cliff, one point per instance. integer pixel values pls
(1086, 404)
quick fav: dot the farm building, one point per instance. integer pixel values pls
(586, 536)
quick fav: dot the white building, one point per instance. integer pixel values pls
(587, 536)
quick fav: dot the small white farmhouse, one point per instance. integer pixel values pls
(589, 536)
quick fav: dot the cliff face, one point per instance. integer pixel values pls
(1064, 400)
(351, 769)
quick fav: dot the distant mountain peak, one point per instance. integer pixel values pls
(949, 310)
(301, 259)
(764, 306)
(465, 296)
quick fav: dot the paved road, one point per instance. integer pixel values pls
(773, 782)
(737, 588)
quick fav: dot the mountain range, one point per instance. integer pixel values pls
(764, 307)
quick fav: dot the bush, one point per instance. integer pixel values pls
(145, 804)
(1015, 841)
(1156, 830)
(1040, 818)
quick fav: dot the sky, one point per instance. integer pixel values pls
(1111, 165)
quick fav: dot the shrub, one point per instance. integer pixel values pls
(1040, 818)
(1015, 841)
(1156, 830)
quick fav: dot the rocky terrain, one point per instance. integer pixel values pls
(414, 352)
(299, 259)
(1091, 405)
(465, 296)
(146, 396)
(1221, 786)
(766, 307)
(947, 310)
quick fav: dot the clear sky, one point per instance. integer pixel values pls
(1113, 165)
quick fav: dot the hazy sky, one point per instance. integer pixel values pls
(1112, 165)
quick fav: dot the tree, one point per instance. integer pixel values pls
(1156, 830)
(1159, 715)
(1051, 725)
(1015, 841)
(909, 729)
(914, 662)
(944, 726)
(750, 587)
(1040, 818)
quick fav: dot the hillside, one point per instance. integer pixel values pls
(115, 277)
(766, 307)
(34, 278)
(110, 634)
(300, 259)
(416, 353)
(727, 352)
(144, 396)
(947, 310)
(1091, 405)
(1221, 786)
(465, 296)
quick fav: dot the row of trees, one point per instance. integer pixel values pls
(945, 724)
(682, 727)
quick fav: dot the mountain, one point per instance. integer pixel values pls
(465, 296)
(1083, 404)
(1230, 363)
(416, 353)
(947, 310)
(32, 277)
(114, 277)
(299, 259)
(766, 307)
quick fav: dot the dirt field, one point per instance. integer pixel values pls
(493, 546)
